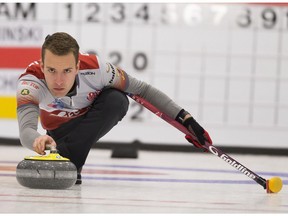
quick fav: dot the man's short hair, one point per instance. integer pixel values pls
(60, 43)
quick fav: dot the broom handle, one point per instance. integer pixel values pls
(212, 149)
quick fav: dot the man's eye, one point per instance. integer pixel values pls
(67, 70)
(50, 70)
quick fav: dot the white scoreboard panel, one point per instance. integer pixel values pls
(225, 63)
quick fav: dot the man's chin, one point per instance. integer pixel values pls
(58, 94)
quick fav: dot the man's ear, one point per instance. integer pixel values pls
(78, 66)
(42, 66)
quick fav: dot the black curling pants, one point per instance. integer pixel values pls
(75, 138)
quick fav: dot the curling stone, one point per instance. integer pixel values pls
(46, 172)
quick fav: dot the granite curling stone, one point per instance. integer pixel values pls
(46, 172)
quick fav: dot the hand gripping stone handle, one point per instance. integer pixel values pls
(52, 148)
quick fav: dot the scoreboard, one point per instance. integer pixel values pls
(227, 64)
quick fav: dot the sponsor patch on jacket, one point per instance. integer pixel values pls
(121, 73)
(112, 70)
(25, 92)
(87, 73)
(108, 67)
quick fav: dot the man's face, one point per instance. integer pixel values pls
(59, 72)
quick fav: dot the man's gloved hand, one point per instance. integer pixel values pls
(202, 135)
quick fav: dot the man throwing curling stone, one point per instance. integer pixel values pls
(79, 98)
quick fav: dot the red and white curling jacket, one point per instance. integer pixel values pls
(34, 98)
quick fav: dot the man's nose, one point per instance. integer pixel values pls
(59, 79)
